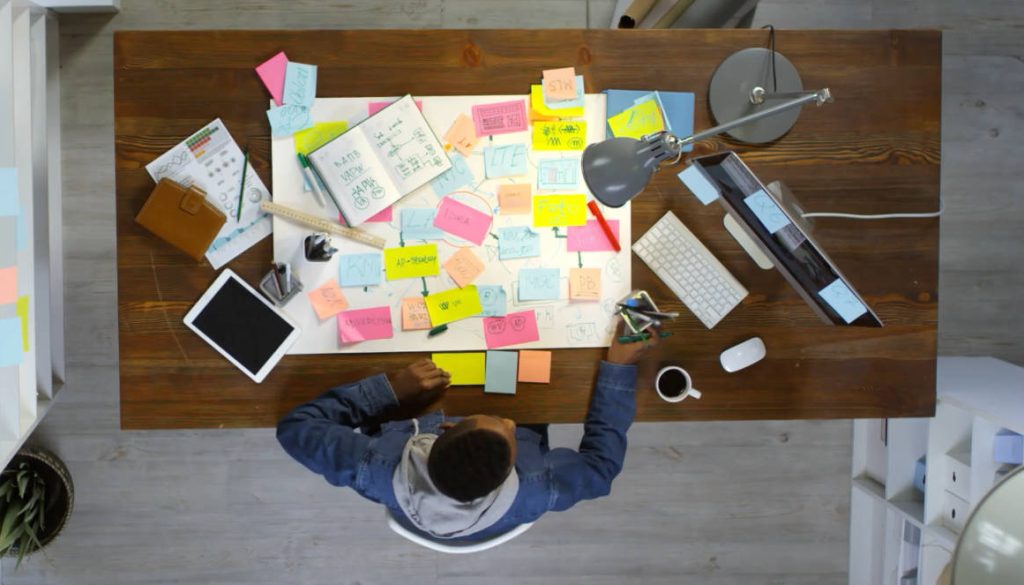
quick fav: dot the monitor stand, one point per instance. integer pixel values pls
(751, 246)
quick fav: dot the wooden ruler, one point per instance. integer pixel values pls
(321, 224)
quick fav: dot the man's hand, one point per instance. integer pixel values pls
(630, 353)
(420, 383)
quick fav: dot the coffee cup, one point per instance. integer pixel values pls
(674, 384)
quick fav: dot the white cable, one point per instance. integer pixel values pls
(881, 216)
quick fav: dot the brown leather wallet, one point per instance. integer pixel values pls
(181, 217)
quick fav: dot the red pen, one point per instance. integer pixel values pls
(604, 225)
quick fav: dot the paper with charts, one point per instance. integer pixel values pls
(515, 242)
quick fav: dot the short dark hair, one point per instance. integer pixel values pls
(467, 463)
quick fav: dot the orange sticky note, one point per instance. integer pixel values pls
(414, 314)
(585, 284)
(514, 199)
(464, 267)
(560, 84)
(8, 285)
(462, 134)
(535, 366)
(328, 300)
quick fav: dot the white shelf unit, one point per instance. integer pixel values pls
(893, 526)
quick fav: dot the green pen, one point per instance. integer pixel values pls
(437, 330)
(642, 337)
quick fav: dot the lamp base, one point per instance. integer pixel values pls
(733, 83)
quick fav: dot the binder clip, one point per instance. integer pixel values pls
(280, 285)
(317, 248)
(640, 313)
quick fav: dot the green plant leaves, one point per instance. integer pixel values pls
(22, 507)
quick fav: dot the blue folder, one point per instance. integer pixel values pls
(678, 108)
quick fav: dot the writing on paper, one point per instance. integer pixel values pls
(500, 118)
(518, 242)
(560, 135)
(410, 261)
(559, 210)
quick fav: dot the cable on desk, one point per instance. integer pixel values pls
(877, 216)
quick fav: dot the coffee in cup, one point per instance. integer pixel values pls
(673, 384)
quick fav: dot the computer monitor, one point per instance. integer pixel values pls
(782, 235)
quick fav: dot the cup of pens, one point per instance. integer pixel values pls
(640, 313)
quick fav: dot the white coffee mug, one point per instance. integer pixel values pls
(688, 389)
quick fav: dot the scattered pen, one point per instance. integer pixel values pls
(241, 188)
(311, 179)
(642, 337)
(437, 330)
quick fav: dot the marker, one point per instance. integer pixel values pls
(642, 337)
(308, 173)
(241, 188)
(437, 330)
(607, 229)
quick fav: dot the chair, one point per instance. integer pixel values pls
(454, 548)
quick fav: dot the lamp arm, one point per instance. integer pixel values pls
(820, 97)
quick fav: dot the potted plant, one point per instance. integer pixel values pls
(36, 498)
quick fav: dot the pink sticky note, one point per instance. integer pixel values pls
(384, 216)
(8, 285)
(462, 220)
(374, 107)
(590, 237)
(511, 329)
(500, 117)
(365, 324)
(271, 72)
(560, 84)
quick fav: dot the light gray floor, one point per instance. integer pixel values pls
(710, 503)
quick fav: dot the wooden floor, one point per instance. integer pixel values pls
(710, 503)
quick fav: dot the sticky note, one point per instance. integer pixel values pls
(365, 324)
(493, 299)
(656, 97)
(500, 118)
(511, 329)
(698, 184)
(585, 284)
(453, 305)
(590, 237)
(842, 300)
(10, 342)
(500, 376)
(538, 284)
(463, 221)
(414, 314)
(8, 285)
(8, 241)
(559, 174)
(410, 261)
(9, 191)
(464, 267)
(374, 107)
(561, 135)
(518, 242)
(22, 312)
(460, 175)
(359, 269)
(466, 369)
(271, 73)
(418, 224)
(383, 216)
(310, 139)
(767, 211)
(327, 300)
(539, 111)
(287, 120)
(637, 121)
(560, 84)
(462, 135)
(299, 84)
(505, 161)
(576, 102)
(559, 210)
(535, 366)
(514, 199)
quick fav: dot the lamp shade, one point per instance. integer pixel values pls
(618, 169)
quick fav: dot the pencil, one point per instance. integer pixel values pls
(604, 225)
(642, 337)
(241, 188)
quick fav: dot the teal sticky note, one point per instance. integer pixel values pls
(576, 102)
(501, 369)
(698, 184)
(9, 191)
(359, 270)
(493, 299)
(299, 85)
(418, 224)
(505, 161)
(518, 242)
(842, 300)
(539, 284)
(459, 175)
(767, 211)
(10, 342)
(288, 120)
(558, 174)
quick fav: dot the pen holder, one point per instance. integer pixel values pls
(269, 290)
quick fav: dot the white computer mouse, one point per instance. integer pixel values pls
(743, 355)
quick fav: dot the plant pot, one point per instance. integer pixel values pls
(60, 491)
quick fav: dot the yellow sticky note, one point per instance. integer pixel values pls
(467, 369)
(410, 261)
(638, 121)
(310, 139)
(452, 305)
(22, 311)
(561, 135)
(464, 266)
(559, 210)
(414, 314)
(327, 300)
(585, 284)
(539, 111)
(514, 199)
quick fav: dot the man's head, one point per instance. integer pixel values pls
(473, 457)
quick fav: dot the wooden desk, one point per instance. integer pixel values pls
(876, 149)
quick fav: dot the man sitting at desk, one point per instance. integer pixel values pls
(465, 479)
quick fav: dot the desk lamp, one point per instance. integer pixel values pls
(991, 546)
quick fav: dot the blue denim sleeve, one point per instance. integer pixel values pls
(588, 473)
(321, 434)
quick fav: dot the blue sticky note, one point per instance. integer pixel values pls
(558, 173)
(501, 371)
(576, 102)
(518, 242)
(539, 284)
(459, 175)
(504, 161)
(493, 299)
(288, 120)
(359, 270)
(842, 300)
(9, 191)
(299, 85)
(698, 184)
(767, 211)
(418, 224)
(10, 342)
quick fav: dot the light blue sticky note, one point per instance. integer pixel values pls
(504, 161)
(698, 184)
(10, 342)
(767, 211)
(502, 368)
(299, 85)
(493, 299)
(538, 284)
(418, 224)
(288, 120)
(842, 300)
(9, 191)
(518, 242)
(558, 173)
(576, 102)
(459, 175)
(359, 270)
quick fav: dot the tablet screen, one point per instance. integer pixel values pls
(237, 321)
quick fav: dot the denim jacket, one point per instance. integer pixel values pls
(336, 436)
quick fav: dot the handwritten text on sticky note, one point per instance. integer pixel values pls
(493, 299)
(414, 314)
(359, 269)
(462, 135)
(585, 284)
(287, 120)
(511, 329)
(559, 174)
(464, 267)
(452, 305)
(299, 84)
(540, 111)
(463, 221)
(365, 324)
(460, 175)
(560, 84)
(514, 199)
(590, 237)
(410, 261)
(418, 224)
(328, 300)
(518, 242)
(505, 161)
(561, 135)
(500, 118)
(559, 210)
(637, 121)
(539, 284)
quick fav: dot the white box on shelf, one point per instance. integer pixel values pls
(921, 473)
(1008, 447)
(954, 512)
(958, 473)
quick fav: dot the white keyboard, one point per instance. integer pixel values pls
(689, 269)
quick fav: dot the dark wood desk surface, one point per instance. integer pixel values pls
(876, 149)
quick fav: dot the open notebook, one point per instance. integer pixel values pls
(380, 160)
